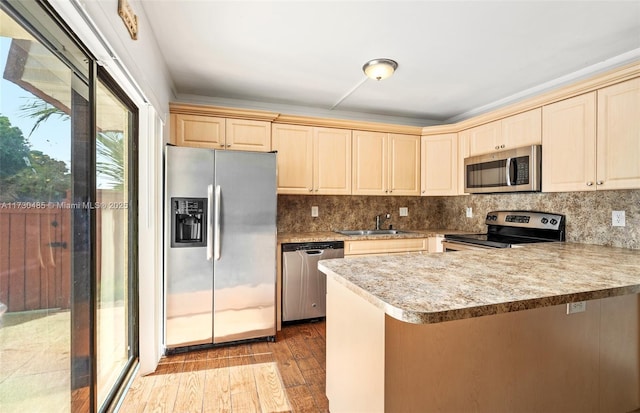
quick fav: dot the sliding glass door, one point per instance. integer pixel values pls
(115, 128)
(68, 280)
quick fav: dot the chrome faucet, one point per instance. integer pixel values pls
(386, 216)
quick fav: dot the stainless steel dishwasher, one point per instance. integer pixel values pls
(304, 287)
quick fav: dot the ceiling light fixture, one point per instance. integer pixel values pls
(380, 68)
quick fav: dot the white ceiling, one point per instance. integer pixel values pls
(456, 58)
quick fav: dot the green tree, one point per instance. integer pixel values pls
(14, 150)
(110, 145)
(47, 180)
(28, 175)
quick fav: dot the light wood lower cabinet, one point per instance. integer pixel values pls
(359, 248)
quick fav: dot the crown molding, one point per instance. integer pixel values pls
(204, 110)
(600, 81)
(348, 124)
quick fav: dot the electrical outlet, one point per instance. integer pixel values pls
(577, 307)
(314, 211)
(404, 211)
(617, 219)
(469, 212)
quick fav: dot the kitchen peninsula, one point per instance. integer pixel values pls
(485, 331)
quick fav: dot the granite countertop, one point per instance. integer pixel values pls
(320, 236)
(433, 288)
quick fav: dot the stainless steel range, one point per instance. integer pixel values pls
(507, 229)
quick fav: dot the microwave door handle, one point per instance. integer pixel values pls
(508, 170)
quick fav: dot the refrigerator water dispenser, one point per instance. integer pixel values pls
(188, 222)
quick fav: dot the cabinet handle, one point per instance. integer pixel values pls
(497, 147)
(310, 189)
(599, 182)
(229, 145)
(502, 146)
(589, 183)
(222, 145)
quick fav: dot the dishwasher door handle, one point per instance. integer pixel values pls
(313, 252)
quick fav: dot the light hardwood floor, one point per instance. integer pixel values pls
(285, 376)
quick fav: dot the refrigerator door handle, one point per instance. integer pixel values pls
(209, 223)
(216, 236)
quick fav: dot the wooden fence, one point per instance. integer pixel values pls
(35, 256)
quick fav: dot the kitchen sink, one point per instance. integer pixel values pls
(372, 232)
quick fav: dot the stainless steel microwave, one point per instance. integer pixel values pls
(512, 170)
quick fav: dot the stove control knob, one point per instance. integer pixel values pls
(554, 221)
(544, 220)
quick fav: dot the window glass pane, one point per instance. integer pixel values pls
(35, 224)
(112, 177)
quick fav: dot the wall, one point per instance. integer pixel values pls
(588, 213)
(142, 58)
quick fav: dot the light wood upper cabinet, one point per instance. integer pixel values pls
(198, 131)
(485, 138)
(592, 141)
(569, 144)
(294, 145)
(385, 164)
(511, 132)
(248, 135)
(404, 164)
(332, 161)
(618, 136)
(439, 165)
(523, 129)
(370, 160)
(312, 160)
(221, 133)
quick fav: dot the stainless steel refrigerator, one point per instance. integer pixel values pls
(220, 249)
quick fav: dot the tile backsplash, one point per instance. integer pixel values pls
(588, 213)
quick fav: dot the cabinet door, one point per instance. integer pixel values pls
(370, 160)
(384, 246)
(248, 135)
(569, 144)
(199, 131)
(439, 164)
(522, 129)
(404, 164)
(485, 138)
(332, 161)
(618, 154)
(295, 158)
